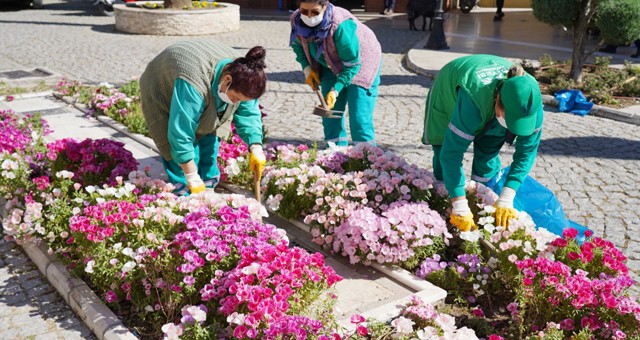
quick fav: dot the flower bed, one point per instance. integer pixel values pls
(195, 267)
(532, 284)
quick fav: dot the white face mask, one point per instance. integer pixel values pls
(312, 21)
(502, 122)
(223, 95)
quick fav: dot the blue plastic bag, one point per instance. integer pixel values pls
(573, 101)
(540, 203)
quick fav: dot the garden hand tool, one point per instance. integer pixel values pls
(461, 216)
(504, 207)
(323, 110)
(257, 160)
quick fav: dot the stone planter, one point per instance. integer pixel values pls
(138, 20)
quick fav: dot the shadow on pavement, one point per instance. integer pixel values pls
(28, 293)
(98, 28)
(592, 146)
(296, 77)
(405, 80)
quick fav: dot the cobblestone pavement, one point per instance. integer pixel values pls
(591, 163)
(30, 308)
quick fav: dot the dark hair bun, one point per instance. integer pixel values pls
(255, 58)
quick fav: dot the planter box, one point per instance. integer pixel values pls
(137, 20)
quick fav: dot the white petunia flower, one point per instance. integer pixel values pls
(89, 267)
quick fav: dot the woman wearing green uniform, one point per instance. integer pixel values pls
(343, 56)
(486, 100)
(190, 94)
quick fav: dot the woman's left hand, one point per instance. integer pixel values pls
(332, 96)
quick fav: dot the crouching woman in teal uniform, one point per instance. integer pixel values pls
(343, 56)
(190, 94)
(486, 100)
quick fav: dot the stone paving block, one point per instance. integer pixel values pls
(42, 289)
(18, 299)
(32, 104)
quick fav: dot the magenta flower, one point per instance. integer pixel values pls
(111, 296)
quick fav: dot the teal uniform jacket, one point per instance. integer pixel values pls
(348, 47)
(461, 109)
(184, 114)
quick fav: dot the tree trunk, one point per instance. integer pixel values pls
(177, 4)
(579, 56)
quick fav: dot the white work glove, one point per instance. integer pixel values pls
(257, 160)
(461, 215)
(504, 207)
(195, 183)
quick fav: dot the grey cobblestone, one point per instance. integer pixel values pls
(592, 163)
(29, 306)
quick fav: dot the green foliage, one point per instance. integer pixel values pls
(421, 253)
(131, 89)
(293, 205)
(134, 120)
(6, 89)
(546, 60)
(618, 21)
(601, 84)
(557, 12)
(85, 94)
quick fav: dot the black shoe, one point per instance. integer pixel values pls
(497, 18)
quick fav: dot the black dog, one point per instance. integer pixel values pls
(424, 8)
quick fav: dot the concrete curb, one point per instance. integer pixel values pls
(84, 302)
(26, 95)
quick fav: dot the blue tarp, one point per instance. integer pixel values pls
(573, 101)
(540, 203)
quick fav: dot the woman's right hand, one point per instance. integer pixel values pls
(461, 215)
(195, 183)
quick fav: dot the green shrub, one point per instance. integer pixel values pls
(618, 21)
(546, 60)
(557, 12)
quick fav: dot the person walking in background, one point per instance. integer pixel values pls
(190, 93)
(342, 56)
(499, 12)
(637, 44)
(486, 100)
(389, 5)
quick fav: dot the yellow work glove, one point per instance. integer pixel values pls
(461, 216)
(311, 77)
(257, 160)
(331, 99)
(504, 207)
(194, 183)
